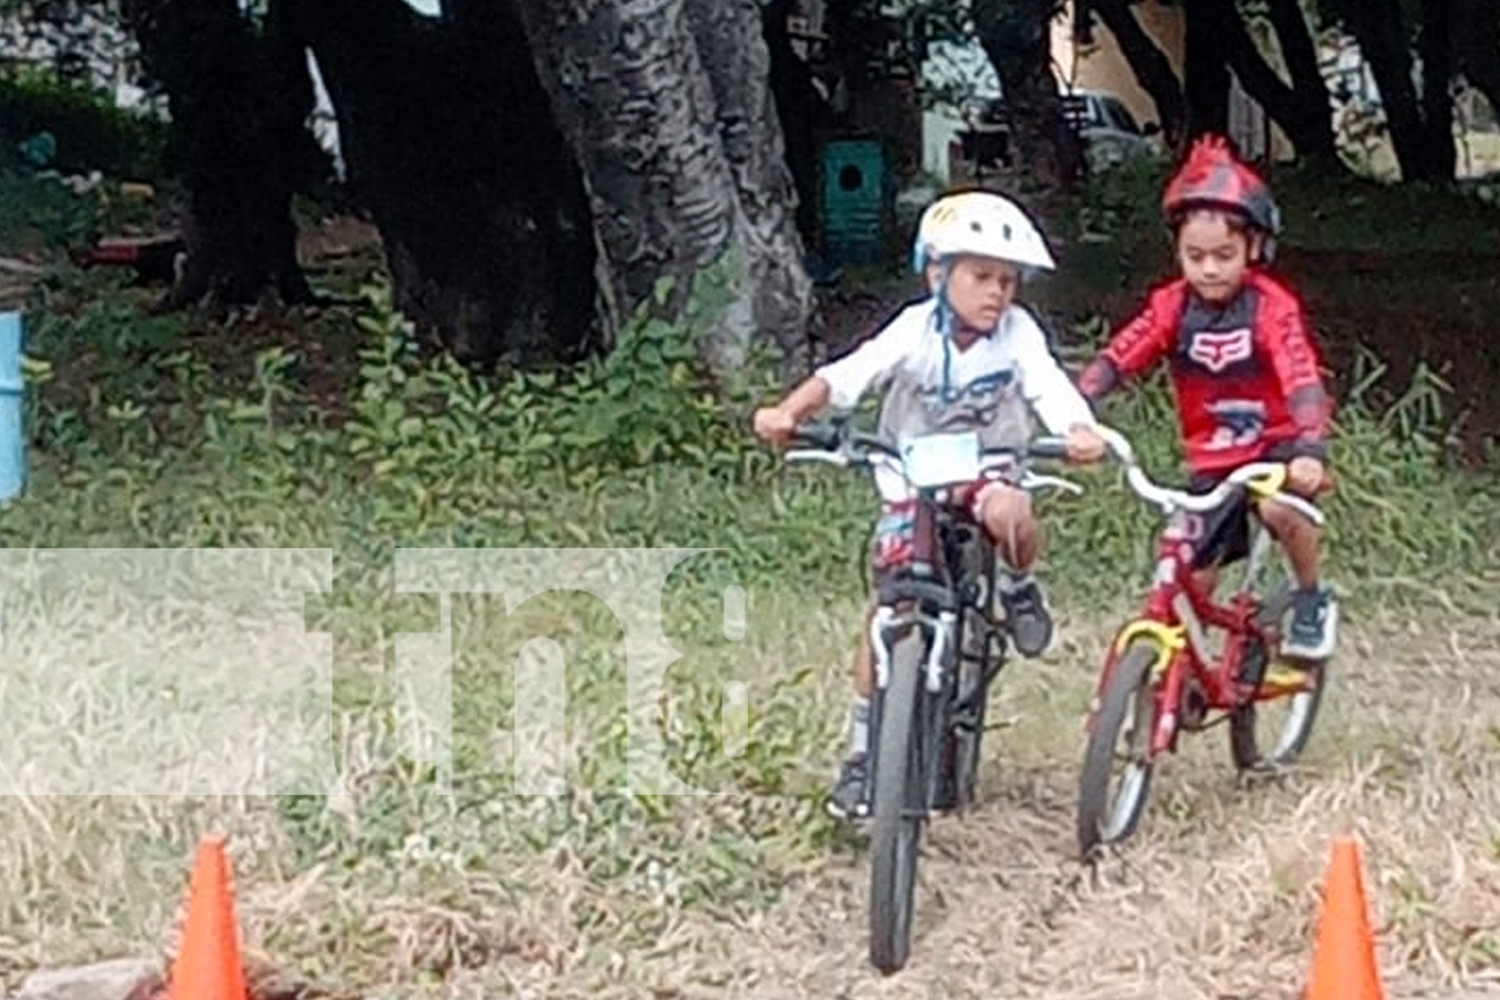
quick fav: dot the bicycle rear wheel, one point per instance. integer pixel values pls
(898, 807)
(1127, 715)
(1271, 732)
(1263, 740)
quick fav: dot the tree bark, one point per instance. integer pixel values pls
(677, 183)
(448, 139)
(1152, 69)
(239, 101)
(732, 48)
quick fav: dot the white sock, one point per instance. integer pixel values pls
(859, 726)
(1009, 580)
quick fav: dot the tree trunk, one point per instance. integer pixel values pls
(802, 112)
(1435, 45)
(1205, 69)
(1476, 35)
(731, 47)
(239, 101)
(1380, 29)
(1016, 35)
(448, 139)
(1152, 69)
(677, 182)
(1305, 117)
(1294, 36)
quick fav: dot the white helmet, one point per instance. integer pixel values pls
(981, 223)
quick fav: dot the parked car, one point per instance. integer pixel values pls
(1108, 131)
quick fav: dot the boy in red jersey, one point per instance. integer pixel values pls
(1244, 371)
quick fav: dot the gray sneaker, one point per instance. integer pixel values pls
(847, 798)
(1314, 627)
(1027, 617)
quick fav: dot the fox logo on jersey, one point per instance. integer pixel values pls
(1218, 349)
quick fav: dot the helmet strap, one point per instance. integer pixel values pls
(947, 320)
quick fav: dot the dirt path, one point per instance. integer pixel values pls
(1216, 896)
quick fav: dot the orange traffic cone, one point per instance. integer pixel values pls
(208, 965)
(1344, 966)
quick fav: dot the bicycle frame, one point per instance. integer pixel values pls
(1178, 613)
(924, 591)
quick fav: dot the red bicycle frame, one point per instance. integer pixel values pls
(1177, 615)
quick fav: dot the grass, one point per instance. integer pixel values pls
(153, 434)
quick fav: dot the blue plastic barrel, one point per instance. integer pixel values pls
(12, 396)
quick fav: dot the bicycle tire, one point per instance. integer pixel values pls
(1129, 689)
(969, 742)
(1244, 742)
(897, 807)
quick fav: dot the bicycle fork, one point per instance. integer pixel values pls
(941, 629)
(1166, 677)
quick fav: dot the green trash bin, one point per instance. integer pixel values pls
(859, 200)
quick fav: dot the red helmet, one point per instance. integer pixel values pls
(1213, 178)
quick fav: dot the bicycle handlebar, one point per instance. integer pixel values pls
(837, 444)
(1263, 478)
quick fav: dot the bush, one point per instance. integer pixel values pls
(39, 213)
(89, 132)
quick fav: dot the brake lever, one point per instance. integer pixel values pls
(1030, 480)
(816, 455)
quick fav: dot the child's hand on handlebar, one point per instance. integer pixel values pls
(1084, 444)
(774, 425)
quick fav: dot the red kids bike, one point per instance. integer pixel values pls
(1163, 676)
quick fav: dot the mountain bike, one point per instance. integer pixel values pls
(937, 649)
(1161, 676)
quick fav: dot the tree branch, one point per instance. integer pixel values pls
(1152, 69)
(1306, 121)
(1295, 39)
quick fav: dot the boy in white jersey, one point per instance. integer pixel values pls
(966, 358)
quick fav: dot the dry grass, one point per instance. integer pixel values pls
(1214, 898)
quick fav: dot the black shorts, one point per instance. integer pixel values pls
(1225, 537)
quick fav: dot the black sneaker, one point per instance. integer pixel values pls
(847, 798)
(945, 795)
(1027, 618)
(1314, 624)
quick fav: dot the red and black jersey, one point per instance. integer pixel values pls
(1245, 373)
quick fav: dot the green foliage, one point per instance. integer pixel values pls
(436, 425)
(88, 131)
(38, 212)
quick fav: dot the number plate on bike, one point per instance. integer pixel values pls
(940, 459)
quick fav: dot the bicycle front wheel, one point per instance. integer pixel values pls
(1110, 800)
(898, 807)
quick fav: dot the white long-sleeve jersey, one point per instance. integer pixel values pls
(993, 387)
